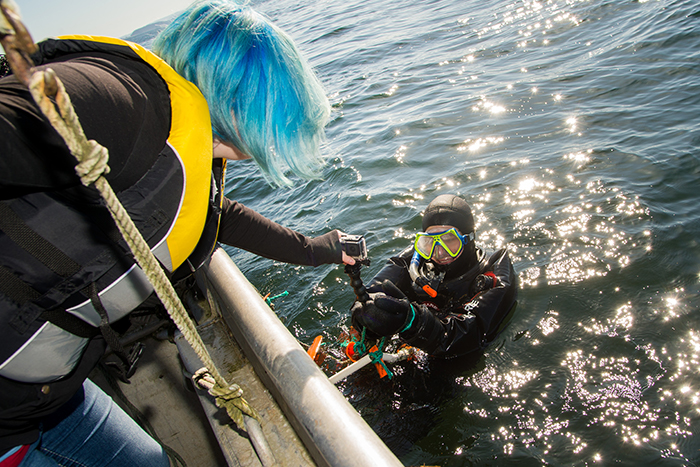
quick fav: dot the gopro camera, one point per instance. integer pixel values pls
(354, 246)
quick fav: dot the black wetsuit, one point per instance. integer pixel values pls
(469, 308)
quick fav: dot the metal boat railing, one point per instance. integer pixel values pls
(330, 428)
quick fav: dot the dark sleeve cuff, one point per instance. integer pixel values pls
(325, 249)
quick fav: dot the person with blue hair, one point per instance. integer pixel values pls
(222, 83)
(271, 110)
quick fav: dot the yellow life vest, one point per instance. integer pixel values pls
(190, 136)
(54, 351)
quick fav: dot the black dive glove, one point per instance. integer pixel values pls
(385, 314)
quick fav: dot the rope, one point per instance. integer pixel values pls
(376, 357)
(231, 400)
(16, 41)
(269, 299)
(92, 165)
(359, 348)
(362, 348)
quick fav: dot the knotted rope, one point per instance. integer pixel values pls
(377, 358)
(231, 400)
(92, 165)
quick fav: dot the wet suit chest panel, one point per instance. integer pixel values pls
(459, 320)
(160, 151)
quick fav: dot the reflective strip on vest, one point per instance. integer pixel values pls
(48, 355)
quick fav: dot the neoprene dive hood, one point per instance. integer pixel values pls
(449, 210)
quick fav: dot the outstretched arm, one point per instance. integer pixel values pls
(244, 228)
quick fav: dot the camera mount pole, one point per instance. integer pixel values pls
(356, 281)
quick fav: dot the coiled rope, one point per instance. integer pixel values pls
(92, 165)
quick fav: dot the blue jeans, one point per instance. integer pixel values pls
(91, 430)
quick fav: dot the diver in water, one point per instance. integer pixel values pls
(443, 294)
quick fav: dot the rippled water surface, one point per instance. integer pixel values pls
(572, 127)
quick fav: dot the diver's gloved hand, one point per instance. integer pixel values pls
(483, 282)
(385, 314)
(360, 316)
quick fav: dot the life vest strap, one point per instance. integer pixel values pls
(15, 288)
(128, 360)
(70, 323)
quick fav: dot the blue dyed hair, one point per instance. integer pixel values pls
(263, 96)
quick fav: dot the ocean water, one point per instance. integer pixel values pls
(572, 127)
